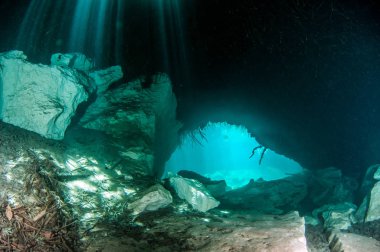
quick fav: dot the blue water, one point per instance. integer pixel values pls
(223, 153)
(91, 19)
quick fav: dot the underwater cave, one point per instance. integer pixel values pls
(168, 125)
(221, 151)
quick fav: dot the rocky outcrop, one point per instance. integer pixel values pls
(102, 79)
(194, 193)
(209, 232)
(309, 220)
(152, 199)
(373, 212)
(329, 186)
(362, 210)
(336, 216)
(369, 209)
(274, 196)
(216, 187)
(377, 174)
(40, 98)
(286, 234)
(369, 180)
(77, 61)
(140, 120)
(348, 242)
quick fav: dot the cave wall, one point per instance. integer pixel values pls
(304, 74)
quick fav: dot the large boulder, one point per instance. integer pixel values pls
(369, 209)
(152, 199)
(369, 180)
(329, 186)
(216, 187)
(276, 196)
(373, 212)
(339, 242)
(105, 77)
(362, 210)
(101, 79)
(377, 174)
(77, 61)
(141, 120)
(285, 233)
(40, 98)
(336, 216)
(194, 193)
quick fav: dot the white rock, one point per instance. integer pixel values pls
(349, 242)
(281, 233)
(39, 98)
(194, 193)
(14, 55)
(338, 216)
(77, 61)
(367, 186)
(105, 77)
(154, 198)
(377, 174)
(373, 212)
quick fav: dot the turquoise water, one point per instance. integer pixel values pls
(222, 151)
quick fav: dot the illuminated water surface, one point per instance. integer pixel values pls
(222, 151)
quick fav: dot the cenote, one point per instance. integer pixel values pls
(221, 151)
(199, 125)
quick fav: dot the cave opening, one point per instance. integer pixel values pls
(261, 118)
(223, 151)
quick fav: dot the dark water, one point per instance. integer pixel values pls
(307, 71)
(263, 91)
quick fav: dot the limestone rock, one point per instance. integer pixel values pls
(272, 197)
(102, 79)
(215, 187)
(194, 232)
(373, 212)
(377, 174)
(39, 98)
(370, 191)
(138, 117)
(124, 111)
(362, 210)
(337, 216)
(194, 193)
(153, 198)
(369, 180)
(14, 54)
(77, 61)
(329, 186)
(349, 242)
(105, 77)
(164, 104)
(286, 234)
